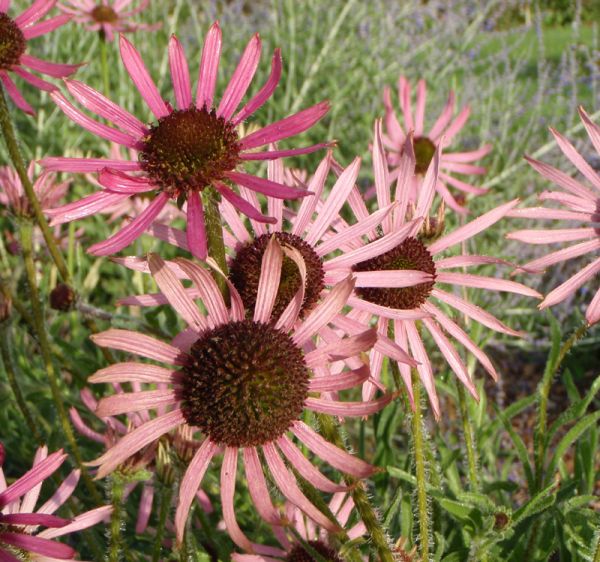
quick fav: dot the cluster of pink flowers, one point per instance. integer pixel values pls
(298, 318)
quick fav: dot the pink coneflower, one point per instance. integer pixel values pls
(424, 144)
(14, 35)
(420, 252)
(244, 382)
(185, 149)
(318, 539)
(180, 441)
(107, 17)
(19, 521)
(582, 205)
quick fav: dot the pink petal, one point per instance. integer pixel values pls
(289, 316)
(391, 279)
(391, 313)
(79, 522)
(140, 344)
(191, 482)
(468, 169)
(85, 165)
(472, 228)
(482, 282)
(347, 409)
(571, 252)
(135, 441)
(50, 68)
(571, 285)
(241, 204)
(142, 79)
(34, 80)
(463, 186)
(274, 154)
(134, 402)
(131, 231)
(405, 105)
(85, 207)
(560, 178)
(575, 202)
(420, 109)
(552, 236)
(352, 345)
(341, 381)
(264, 93)
(592, 314)
(241, 79)
(392, 125)
(172, 236)
(578, 161)
(119, 182)
(284, 128)
(46, 26)
(257, 486)
(14, 94)
(37, 10)
(268, 284)
(83, 429)
(592, 129)
(468, 260)
(444, 118)
(209, 66)
(456, 125)
(196, 228)
(547, 213)
(266, 187)
(145, 508)
(33, 519)
(427, 190)
(180, 74)
(467, 156)
(37, 545)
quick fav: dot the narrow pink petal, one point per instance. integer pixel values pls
(249, 195)
(32, 478)
(592, 129)
(273, 154)
(287, 127)
(352, 345)
(569, 287)
(578, 161)
(337, 197)
(444, 118)
(549, 213)
(209, 291)
(470, 156)
(289, 316)
(135, 441)
(36, 11)
(132, 230)
(592, 314)
(380, 246)
(257, 486)
(468, 260)
(420, 108)
(142, 79)
(46, 26)
(406, 173)
(391, 313)
(85, 165)
(266, 187)
(331, 305)
(380, 172)
(120, 182)
(85, 207)
(15, 95)
(62, 493)
(552, 236)
(451, 356)
(268, 284)
(286, 482)
(467, 169)
(241, 79)
(482, 282)
(264, 93)
(209, 66)
(427, 189)
(574, 202)
(347, 409)
(79, 522)
(241, 204)
(449, 199)
(391, 279)
(472, 228)
(91, 125)
(540, 264)
(475, 312)
(196, 228)
(560, 178)
(275, 172)
(180, 74)
(7, 557)
(341, 381)
(172, 288)
(145, 508)
(405, 105)
(461, 185)
(30, 543)
(191, 482)
(392, 125)
(34, 80)
(305, 468)
(83, 429)
(94, 101)
(461, 336)
(140, 344)
(50, 68)
(33, 519)
(456, 125)
(134, 402)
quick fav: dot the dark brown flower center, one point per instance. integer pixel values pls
(104, 14)
(245, 273)
(12, 42)
(189, 149)
(410, 254)
(424, 151)
(245, 384)
(299, 554)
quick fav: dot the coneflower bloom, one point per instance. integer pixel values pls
(424, 143)
(582, 205)
(420, 252)
(106, 16)
(341, 506)
(244, 382)
(19, 520)
(15, 33)
(187, 148)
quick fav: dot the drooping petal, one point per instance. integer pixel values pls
(347, 409)
(38, 545)
(134, 402)
(257, 486)
(266, 187)
(268, 284)
(53, 69)
(79, 522)
(571, 285)
(482, 282)
(85, 207)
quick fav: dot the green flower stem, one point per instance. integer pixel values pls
(104, 64)
(10, 138)
(117, 487)
(469, 436)
(26, 230)
(214, 234)
(5, 338)
(378, 537)
(165, 505)
(420, 468)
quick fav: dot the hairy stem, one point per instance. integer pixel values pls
(332, 433)
(165, 505)
(214, 234)
(469, 436)
(115, 548)
(26, 229)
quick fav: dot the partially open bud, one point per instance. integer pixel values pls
(62, 297)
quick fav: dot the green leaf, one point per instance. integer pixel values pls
(540, 502)
(459, 510)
